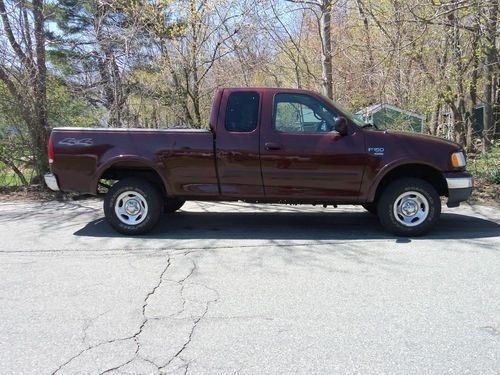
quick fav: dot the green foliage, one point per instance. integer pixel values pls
(157, 63)
(14, 157)
(68, 109)
(9, 178)
(487, 166)
(496, 177)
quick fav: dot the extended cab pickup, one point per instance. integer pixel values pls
(264, 145)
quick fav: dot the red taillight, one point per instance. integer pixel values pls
(51, 151)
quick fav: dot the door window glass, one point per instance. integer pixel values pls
(298, 113)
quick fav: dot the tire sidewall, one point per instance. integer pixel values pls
(385, 207)
(370, 207)
(150, 194)
(171, 205)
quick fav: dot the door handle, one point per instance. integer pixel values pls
(271, 146)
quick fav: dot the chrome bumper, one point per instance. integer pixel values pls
(51, 182)
(459, 189)
(459, 182)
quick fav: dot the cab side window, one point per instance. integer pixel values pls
(299, 113)
(242, 111)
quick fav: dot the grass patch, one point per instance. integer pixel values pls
(9, 179)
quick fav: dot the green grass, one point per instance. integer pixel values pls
(9, 179)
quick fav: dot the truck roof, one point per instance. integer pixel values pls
(269, 89)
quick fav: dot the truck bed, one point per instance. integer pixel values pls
(182, 158)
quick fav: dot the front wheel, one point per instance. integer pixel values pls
(409, 207)
(133, 206)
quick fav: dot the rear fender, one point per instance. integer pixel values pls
(123, 160)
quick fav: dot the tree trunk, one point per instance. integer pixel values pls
(399, 63)
(42, 130)
(326, 44)
(368, 42)
(496, 112)
(490, 65)
(435, 119)
(460, 119)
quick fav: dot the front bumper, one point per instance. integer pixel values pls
(459, 188)
(51, 182)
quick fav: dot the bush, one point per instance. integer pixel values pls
(496, 177)
(487, 167)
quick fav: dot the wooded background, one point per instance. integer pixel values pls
(157, 64)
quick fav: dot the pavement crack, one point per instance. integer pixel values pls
(183, 285)
(134, 337)
(188, 341)
(88, 323)
(116, 368)
(90, 347)
(150, 362)
(196, 322)
(145, 304)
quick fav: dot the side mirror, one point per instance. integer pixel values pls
(341, 126)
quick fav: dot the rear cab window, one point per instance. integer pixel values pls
(242, 111)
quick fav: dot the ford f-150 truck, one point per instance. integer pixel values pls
(264, 145)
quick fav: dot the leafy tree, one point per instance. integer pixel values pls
(23, 70)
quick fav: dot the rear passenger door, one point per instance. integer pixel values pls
(237, 144)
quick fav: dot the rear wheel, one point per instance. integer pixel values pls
(172, 204)
(409, 207)
(133, 206)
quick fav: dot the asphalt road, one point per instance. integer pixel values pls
(241, 289)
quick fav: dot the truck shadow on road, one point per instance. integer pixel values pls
(292, 226)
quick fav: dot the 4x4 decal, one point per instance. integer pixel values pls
(77, 142)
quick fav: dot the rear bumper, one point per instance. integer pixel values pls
(459, 188)
(51, 182)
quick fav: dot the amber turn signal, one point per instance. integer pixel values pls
(458, 159)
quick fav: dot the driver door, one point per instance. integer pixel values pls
(302, 155)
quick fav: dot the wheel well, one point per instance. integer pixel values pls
(424, 172)
(119, 171)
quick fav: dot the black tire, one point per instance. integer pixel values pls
(420, 195)
(140, 190)
(172, 204)
(370, 207)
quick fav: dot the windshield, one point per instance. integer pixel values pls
(345, 112)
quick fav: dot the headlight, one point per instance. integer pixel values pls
(458, 159)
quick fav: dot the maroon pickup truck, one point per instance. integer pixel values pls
(264, 145)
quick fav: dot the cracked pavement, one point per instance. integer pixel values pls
(233, 288)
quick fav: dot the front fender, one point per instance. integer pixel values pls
(388, 168)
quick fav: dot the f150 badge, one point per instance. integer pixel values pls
(77, 142)
(378, 151)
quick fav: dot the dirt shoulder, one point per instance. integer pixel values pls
(33, 193)
(485, 193)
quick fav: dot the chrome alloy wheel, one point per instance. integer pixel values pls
(411, 208)
(131, 208)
